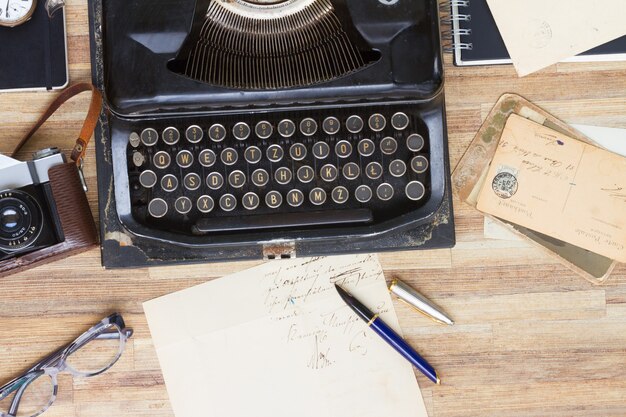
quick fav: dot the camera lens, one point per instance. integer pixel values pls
(10, 219)
(20, 220)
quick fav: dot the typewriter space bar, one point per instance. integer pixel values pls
(277, 221)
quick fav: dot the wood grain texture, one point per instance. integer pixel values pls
(531, 340)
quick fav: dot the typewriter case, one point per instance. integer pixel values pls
(135, 45)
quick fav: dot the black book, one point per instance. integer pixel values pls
(477, 41)
(33, 55)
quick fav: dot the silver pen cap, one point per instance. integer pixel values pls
(420, 303)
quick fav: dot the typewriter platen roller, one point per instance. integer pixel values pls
(240, 126)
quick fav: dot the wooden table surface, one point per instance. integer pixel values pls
(531, 339)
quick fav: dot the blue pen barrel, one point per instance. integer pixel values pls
(404, 349)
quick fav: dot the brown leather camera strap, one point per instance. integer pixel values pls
(88, 126)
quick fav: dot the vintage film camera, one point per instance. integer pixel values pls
(29, 220)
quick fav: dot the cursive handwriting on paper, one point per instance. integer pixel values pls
(298, 296)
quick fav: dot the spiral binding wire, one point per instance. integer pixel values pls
(452, 32)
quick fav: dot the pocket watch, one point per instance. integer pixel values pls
(15, 12)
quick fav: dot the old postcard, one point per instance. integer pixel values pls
(278, 341)
(539, 33)
(556, 185)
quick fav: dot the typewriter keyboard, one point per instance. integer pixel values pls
(289, 170)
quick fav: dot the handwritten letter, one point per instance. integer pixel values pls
(277, 341)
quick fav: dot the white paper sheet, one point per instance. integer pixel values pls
(539, 33)
(278, 341)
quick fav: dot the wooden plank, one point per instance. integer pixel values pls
(532, 339)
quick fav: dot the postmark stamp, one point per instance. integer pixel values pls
(505, 184)
(540, 33)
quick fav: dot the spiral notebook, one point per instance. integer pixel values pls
(477, 41)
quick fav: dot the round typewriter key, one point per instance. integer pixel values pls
(415, 190)
(331, 125)
(343, 149)
(184, 159)
(283, 175)
(388, 146)
(134, 140)
(252, 154)
(217, 132)
(148, 179)
(351, 171)
(251, 201)
(384, 191)
(215, 180)
(228, 202)
(400, 121)
(171, 136)
(194, 134)
(149, 137)
(363, 194)
(138, 159)
(264, 130)
(306, 174)
(161, 160)
(419, 164)
(366, 147)
(275, 153)
(295, 198)
(183, 205)
(321, 150)
(260, 178)
(169, 183)
(286, 128)
(354, 124)
(377, 122)
(415, 142)
(237, 179)
(329, 173)
(157, 208)
(340, 195)
(317, 196)
(205, 204)
(397, 167)
(273, 199)
(297, 152)
(229, 156)
(374, 170)
(241, 131)
(207, 158)
(308, 127)
(192, 181)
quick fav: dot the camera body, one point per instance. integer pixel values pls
(29, 219)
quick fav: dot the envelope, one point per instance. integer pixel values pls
(539, 33)
(556, 185)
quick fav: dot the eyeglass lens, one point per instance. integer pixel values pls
(36, 395)
(99, 353)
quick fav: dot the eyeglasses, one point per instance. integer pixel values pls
(94, 352)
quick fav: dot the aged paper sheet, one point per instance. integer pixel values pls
(278, 341)
(556, 185)
(539, 33)
(612, 139)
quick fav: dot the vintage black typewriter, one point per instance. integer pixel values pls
(241, 129)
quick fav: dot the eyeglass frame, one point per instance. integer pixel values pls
(56, 363)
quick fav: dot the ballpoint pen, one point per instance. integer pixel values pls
(389, 336)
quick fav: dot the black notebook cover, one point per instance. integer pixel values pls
(33, 55)
(487, 46)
